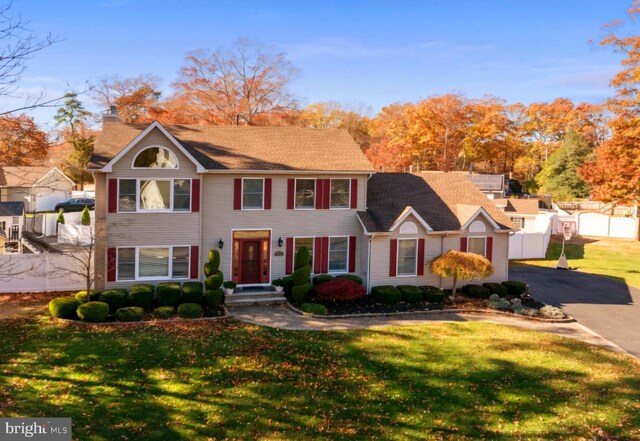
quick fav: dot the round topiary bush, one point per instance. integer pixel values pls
(214, 297)
(300, 293)
(81, 296)
(317, 280)
(164, 312)
(433, 294)
(476, 291)
(189, 310)
(314, 308)
(141, 295)
(64, 307)
(130, 314)
(515, 288)
(410, 294)
(94, 312)
(302, 276)
(115, 298)
(353, 277)
(497, 288)
(386, 294)
(192, 292)
(214, 281)
(168, 293)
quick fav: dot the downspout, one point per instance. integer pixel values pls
(369, 263)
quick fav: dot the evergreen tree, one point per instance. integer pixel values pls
(73, 115)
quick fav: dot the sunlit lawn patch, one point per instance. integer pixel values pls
(199, 380)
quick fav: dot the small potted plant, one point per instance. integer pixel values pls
(229, 286)
(278, 285)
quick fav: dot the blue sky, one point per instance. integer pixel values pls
(360, 53)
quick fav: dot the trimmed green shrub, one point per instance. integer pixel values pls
(497, 288)
(515, 288)
(476, 291)
(141, 295)
(64, 307)
(85, 217)
(192, 292)
(95, 312)
(168, 293)
(300, 293)
(433, 294)
(302, 258)
(214, 281)
(340, 290)
(353, 277)
(314, 308)
(164, 312)
(214, 297)
(189, 310)
(301, 276)
(81, 296)
(410, 294)
(386, 294)
(288, 284)
(115, 298)
(321, 278)
(213, 265)
(130, 314)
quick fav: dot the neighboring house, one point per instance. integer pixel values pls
(411, 219)
(11, 222)
(522, 212)
(39, 188)
(493, 186)
(534, 227)
(165, 196)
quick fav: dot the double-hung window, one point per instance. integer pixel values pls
(477, 245)
(340, 193)
(338, 254)
(407, 257)
(252, 193)
(150, 195)
(305, 193)
(147, 263)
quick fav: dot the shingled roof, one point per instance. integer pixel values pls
(519, 206)
(246, 147)
(445, 201)
(21, 175)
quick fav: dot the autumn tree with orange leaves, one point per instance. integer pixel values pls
(136, 99)
(21, 141)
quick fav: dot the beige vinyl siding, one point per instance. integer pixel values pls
(220, 219)
(435, 244)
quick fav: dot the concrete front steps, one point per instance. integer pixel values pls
(247, 297)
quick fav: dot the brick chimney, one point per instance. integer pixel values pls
(111, 116)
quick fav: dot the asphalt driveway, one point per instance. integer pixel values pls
(606, 306)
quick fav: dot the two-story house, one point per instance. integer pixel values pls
(165, 196)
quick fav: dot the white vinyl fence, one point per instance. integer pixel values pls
(38, 272)
(597, 224)
(529, 245)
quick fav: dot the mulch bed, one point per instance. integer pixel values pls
(30, 298)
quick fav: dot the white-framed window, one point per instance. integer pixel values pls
(518, 221)
(308, 242)
(305, 194)
(338, 254)
(407, 257)
(155, 157)
(340, 192)
(152, 195)
(252, 193)
(153, 263)
(477, 245)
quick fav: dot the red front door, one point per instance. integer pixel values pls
(250, 261)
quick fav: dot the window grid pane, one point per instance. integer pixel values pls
(305, 193)
(339, 193)
(180, 263)
(252, 193)
(182, 194)
(153, 262)
(127, 195)
(476, 245)
(407, 257)
(126, 264)
(338, 248)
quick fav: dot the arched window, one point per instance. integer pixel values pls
(477, 227)
(155, 157)
(408, 228)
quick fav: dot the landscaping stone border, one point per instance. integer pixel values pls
(567, 319)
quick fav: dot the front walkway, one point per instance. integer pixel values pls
(282, 317)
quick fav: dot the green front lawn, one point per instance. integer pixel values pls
(616, 258)
(224, 379)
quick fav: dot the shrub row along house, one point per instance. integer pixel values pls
(166, 195)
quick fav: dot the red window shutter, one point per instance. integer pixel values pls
(393, 258)
(354, 193)
(267, 194)
(237, 193)
(326, 196)
(289, 257)
(489, 249)
(291, 194)
(111, 265)
(317, 255)
(325, 255)
(463, 244)
(352, 254)
(319, 193)
(194, 262)
(113, 196)
(195, 195)
(421, 257)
